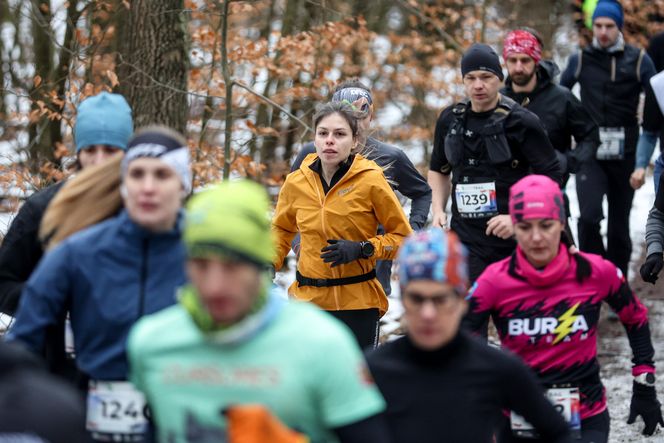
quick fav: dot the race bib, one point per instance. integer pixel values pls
(116, 408)
(613, 144)
(566, 401)
(476, 200)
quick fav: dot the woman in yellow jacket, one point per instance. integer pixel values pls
(336, 200)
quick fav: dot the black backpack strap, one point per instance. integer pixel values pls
(579, 65)
(642, 54)
(459, 110)
(505, 107)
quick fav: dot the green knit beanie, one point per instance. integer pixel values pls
(230, 220)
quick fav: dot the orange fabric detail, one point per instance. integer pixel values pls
(255, 424)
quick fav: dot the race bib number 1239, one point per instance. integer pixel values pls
(476, 200)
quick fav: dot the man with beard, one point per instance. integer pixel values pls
(530, 83)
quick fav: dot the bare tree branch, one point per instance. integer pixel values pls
(451, 41)
(199, 95)
(274, 104)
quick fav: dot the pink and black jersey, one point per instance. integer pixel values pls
(550, 319)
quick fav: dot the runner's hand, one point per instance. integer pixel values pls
(440, 220)
(340, 252)
(638, 178)
(645, 404)
(500, 226)
(652, 267)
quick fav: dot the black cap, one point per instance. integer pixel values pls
(481, 57)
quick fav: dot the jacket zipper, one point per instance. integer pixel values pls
(144, 276)
(322, 221)
(335, 289)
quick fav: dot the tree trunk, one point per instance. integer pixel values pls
(266, 115)
(261, 113)
(5, 16)
(39, 130)
(153, 64)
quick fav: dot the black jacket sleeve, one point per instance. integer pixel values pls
(585, 131)
(525, 396)
(568, 77)
(656, 51)
(537, 148)
(438, 162)
(411, 184)
(21, 249)
(307, 149)
(19, 254)
(652, 116)
(372, 429)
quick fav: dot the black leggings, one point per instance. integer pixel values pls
(480, 259)
(363, 323)
(594, 429)
(594, 180)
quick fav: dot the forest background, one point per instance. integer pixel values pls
(241, 79)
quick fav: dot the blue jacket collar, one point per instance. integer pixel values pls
(133, 229)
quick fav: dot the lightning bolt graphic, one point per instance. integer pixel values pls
(565, 323)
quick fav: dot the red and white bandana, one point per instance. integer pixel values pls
(522, 42)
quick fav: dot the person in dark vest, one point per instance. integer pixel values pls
(530, 82)
(612, 75)
(399, 170)
(482, 146)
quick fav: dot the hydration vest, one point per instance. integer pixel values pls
(495, 160)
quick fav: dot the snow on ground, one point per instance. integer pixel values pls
(5, 220)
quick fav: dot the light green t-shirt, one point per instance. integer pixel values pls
(304, 366)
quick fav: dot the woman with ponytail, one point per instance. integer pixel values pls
(545, 302)
(89, 198)
(109, 275)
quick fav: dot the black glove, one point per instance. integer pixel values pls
(340, 252)
(562, 160)
(652, 267)
(645, 404)
(582, 153)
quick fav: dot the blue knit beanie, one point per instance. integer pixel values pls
(103, 119)
(610, 9)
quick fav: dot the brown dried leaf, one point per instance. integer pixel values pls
(112, 76)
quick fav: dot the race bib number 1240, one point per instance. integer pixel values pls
(116, 408)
